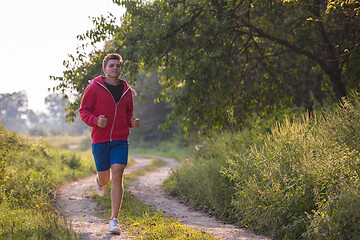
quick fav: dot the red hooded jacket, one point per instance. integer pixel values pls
(97, 100)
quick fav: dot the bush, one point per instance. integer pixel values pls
(29, 175)
(73, 161)
(85, 144)
(201, 180)
(296, 183)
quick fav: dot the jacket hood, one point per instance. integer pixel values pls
(100, 80)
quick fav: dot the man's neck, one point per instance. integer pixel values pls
(112, 80)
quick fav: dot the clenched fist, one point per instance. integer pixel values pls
(135, 122)
(102, 121)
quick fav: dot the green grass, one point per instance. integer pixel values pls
(30, 172)
(32, 223)
(141, 221)
(81, 143)
(301, 181)
(173, 148)
(31, 168)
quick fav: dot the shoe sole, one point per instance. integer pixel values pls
(101, 194)
(117, 231)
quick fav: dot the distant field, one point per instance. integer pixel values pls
(65, 142)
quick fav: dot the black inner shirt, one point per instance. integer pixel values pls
(116, 91)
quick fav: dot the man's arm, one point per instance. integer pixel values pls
(87, 108)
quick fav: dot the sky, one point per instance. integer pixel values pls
(37, 36)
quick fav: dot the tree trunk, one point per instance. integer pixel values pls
(334, 74)
(331, 58)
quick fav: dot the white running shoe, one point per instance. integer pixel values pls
(100, 189)
(114, 226)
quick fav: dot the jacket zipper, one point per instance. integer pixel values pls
(116, 104)
(112, 127)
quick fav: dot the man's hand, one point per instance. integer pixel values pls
(102, 121)
(135, 122)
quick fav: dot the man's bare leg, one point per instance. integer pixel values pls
(103, 177)
(117, 189)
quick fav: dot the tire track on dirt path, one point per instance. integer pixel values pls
(80, 211)
(148, 189)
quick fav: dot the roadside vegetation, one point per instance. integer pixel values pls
(300, 181)
(177, 148)
(29, 174)
(224, 70)
(31, 171)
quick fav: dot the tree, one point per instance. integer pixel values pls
(56, 105)
(151, 113)
(327, 32)
(221, 61)
(13, 110)
(221, 45)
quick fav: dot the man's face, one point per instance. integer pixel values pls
(113, 68)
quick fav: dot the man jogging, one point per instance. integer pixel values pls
(107, 107)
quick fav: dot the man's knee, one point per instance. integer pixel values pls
(103, 177)
(117, 171)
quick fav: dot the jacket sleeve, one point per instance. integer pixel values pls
(129, 110)
(87, 107)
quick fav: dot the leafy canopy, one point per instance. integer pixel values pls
(221, 61)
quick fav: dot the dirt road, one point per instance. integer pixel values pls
(81, 210)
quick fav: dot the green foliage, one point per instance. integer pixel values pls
(72, 161)
(29, 175)
(85, 144)
(41, 223)
(175, 147)
(200, 179)
(301, 181)
(222, 61)
(151, 113)
(79, 71)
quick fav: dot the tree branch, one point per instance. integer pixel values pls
(260, 33)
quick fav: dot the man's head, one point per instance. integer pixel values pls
(112, 65)
(111, 56)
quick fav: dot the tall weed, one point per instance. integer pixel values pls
(297, 182)
(201, 181)
(29, 175)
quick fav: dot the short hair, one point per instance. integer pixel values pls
(111, 56)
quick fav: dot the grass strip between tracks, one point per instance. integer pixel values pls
(140, 220)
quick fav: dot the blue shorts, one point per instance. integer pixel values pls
(108, 153)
